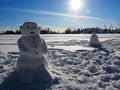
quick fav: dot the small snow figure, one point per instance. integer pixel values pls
(94, 41)
(32, 64)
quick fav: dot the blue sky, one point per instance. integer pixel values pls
(58, 14)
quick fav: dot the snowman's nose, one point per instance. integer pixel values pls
(31, 28)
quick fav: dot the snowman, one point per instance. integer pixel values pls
(94, 41)
(32, 66)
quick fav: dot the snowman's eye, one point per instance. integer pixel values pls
(33, 27)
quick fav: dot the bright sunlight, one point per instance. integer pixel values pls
(76, 4)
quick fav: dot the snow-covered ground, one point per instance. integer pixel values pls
(77, 65)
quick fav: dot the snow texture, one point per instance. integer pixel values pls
(83, 68)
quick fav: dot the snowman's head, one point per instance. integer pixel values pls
(29, 29)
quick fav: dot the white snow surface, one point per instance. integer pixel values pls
(76, 65)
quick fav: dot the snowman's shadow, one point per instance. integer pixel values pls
(101, 48)
(12, 83)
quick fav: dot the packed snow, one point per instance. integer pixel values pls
(75, 64)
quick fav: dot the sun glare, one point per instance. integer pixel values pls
(76, 4)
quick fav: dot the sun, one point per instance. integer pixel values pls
(76, 4)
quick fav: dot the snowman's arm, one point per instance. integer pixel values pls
(21, 46)
(45, 50)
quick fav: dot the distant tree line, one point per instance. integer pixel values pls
(10, 32)
(106, 30)
(48, 31)
(91, 30)
(42, 31)
(98, 30)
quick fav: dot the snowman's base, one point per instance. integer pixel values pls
(38, 75)
(32, 71)
(13, 82)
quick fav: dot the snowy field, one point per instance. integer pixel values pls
(77, 65)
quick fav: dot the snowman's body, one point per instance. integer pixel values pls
(32, 46)
(94, 41)
(32, 64)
